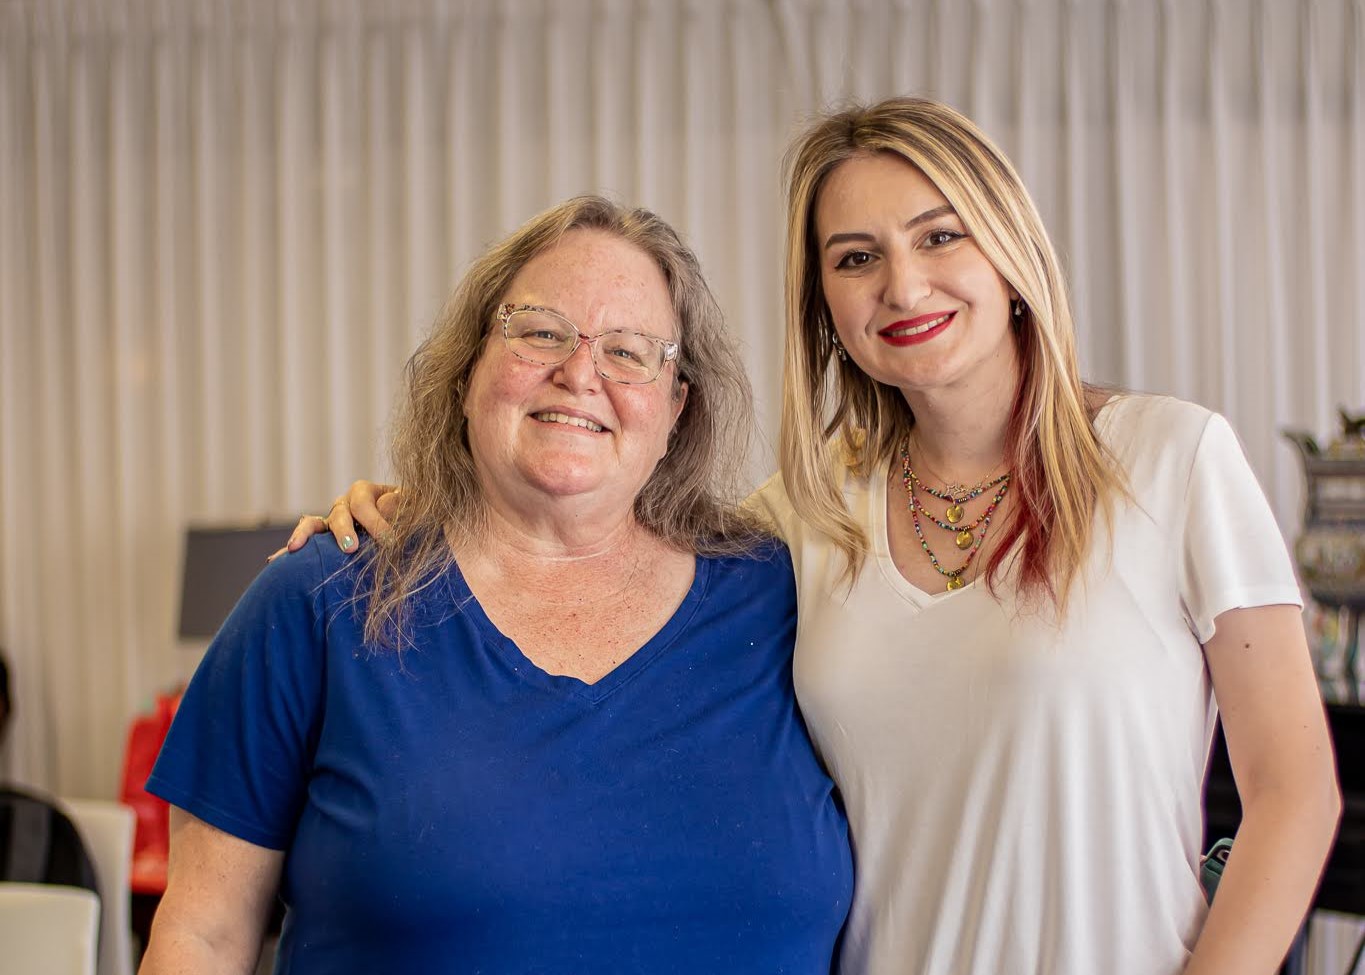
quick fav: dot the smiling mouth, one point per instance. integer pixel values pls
(571, 421)
(909, 331)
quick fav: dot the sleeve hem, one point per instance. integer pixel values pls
(216, 816)
(1248, 597)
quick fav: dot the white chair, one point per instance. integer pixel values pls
(48, 930)
(106, 828)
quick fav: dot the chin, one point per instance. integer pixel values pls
(912, 379)
(562, 482)
(930, 372)
(564, 479)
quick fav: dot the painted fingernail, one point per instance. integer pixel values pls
(347, 542)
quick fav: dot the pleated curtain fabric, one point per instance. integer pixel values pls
(224, 225)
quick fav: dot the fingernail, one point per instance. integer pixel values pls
(346, 542)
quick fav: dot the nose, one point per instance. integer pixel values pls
(906, 283)
(578, 372)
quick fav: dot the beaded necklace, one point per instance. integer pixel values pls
(964, 536)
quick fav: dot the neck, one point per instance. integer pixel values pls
(554, 542)
(960, 432)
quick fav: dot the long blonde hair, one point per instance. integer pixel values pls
(691, 499)
(834, 413)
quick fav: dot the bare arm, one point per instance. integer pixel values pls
(1282, 761)
(217, 903)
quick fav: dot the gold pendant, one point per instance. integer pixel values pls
(955, 583)
(954, 513)
(964, 539)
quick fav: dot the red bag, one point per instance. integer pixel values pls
(151, 834)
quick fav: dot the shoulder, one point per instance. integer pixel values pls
(767, 558)
(773, 503)
(317, 567)
(318, 560)
(1157, 434)
(1165, 417)
(740, 597)
(299, 589)
(761, 572)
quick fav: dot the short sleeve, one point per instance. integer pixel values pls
(239, 751)
(1233, 555)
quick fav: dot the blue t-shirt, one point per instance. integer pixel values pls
(457, 809)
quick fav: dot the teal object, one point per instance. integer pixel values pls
(1211, 866)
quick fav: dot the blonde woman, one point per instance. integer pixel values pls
(1020, 595)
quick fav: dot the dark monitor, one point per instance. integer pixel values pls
(219, 564)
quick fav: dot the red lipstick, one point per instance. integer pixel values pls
(914, 331)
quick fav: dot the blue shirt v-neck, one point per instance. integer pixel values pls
(457, 809)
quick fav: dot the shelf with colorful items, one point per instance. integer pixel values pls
(1330, 552)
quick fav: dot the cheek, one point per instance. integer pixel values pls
(504, 389)
(981, 281)
(845, 302)
(652, 415)
(493, 388)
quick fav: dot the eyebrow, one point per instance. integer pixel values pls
(938, 211)
(578, 328)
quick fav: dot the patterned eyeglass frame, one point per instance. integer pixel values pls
(507, 309)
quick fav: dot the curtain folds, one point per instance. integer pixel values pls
(224, 224)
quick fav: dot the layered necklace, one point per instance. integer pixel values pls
(967, 536)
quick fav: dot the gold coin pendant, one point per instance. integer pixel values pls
(955, 583)
(954, 513)
(964, 539)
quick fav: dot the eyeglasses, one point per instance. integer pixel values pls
(547, 338)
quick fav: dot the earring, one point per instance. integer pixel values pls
(1018, 308)
(838, 349)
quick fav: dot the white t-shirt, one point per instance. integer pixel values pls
(1024, 797)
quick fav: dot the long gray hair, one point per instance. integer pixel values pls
(690, 500)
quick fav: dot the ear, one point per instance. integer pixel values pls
(679, 399)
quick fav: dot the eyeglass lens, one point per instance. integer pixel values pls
(623, 357)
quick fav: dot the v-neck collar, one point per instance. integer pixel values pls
(881, 545)
(566, 686)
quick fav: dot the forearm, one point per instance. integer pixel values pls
(176, 950)
(1269, 881)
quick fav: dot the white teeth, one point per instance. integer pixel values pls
(573, 421)
(921, 329)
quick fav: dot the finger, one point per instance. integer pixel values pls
(388, 503)
(341, 526)
(362, 503)
(308, 526)
(276, 554)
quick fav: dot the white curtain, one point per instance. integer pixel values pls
(225, 223)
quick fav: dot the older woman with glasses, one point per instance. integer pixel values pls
(546, 722)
